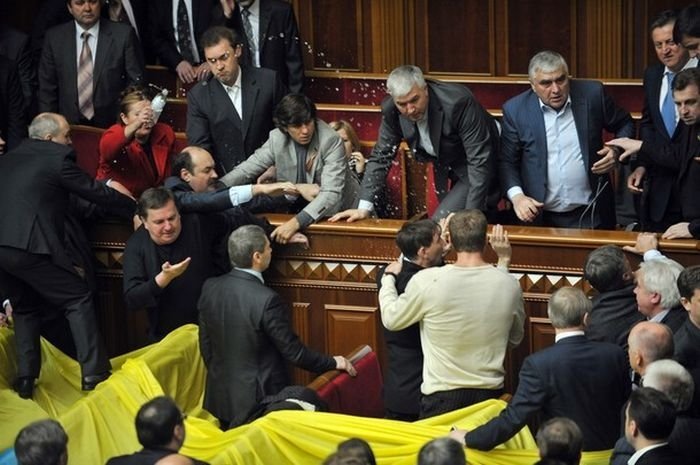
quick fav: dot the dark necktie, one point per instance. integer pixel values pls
(668, 108)
(85, 104)
(184, 40)
(248, 27)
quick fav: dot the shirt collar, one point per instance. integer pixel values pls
(254, 9)
(659, 316)
(567, 334)
(253, 272)
(691, 63)
(637, 455)
(94, 30)
(236, 85)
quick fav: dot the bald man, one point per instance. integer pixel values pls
(648, 342)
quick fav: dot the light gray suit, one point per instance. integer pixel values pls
(329, 169)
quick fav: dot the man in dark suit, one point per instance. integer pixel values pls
(575, 378)
(422, 246)
(108, 55)
(442, 123)
(681, 155)
(15, 45)
(553, 165)
(659, 205)
(672, 379)
(35, 182)
(12, 107)
(176, 46)
(687, 339)
(648, 342)
(614, 309)
(649, 420)
(230, 113)
(135, 14)
(245, 335)
(275, 41)
(160, 427)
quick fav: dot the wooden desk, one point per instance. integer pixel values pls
(331, 287)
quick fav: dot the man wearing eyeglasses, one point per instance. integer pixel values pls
(230, 113)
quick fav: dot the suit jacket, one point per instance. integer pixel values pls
(245, 337)
(117, 64)
(687, 352)
(675, 318)
(35, 182)
(613, 315)
(12, 108)
(162, 31)
(128, 163)
(463, 134)
(679, 157)
(280, 44)
(213, 124)
(404, 373)
(15, 45)
(325, 165)
(523, 160)
(575, 378)
(146, 456)
(661, 180)
(663, 455)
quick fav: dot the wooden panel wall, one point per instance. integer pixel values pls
(601, 39)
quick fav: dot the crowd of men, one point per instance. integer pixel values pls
(256, 147)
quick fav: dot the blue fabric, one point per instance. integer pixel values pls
(7, 457)
(668, 109)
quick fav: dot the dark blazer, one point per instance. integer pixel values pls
(675, 318)
(162, 31)
(404, 372)
(15, 45)
(687, 352)
(146, 457)
(679, 157)
(575, 378)
(117, 64)
(523, 160)
(463, 134)
(280, 44)
(246, 338)
(214, 125)
(663, 455)
(613, 315)
(660, 180)
(36, 180)
(12, 106)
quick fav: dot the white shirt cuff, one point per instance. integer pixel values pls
(653, 254)
(240, 194)
(365, 205)
(513, 191)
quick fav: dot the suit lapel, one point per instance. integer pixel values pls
(104, 47)
(579, 106)
(249, 97)
(539, 131)
(436, 118)
(265, 15)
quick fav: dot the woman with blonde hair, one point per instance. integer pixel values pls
(352, 147)
(136, 151)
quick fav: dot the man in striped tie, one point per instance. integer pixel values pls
(85, 64)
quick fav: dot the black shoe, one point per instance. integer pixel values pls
(24, 386)
(90, 381)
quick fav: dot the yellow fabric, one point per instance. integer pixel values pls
(100, 424)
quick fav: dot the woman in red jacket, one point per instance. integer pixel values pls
(136, 152)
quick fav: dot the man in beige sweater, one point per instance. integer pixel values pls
(470, 312)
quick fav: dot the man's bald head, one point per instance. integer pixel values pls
(175, 459)
(648, 342)
(196, 167)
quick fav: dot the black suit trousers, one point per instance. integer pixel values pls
(28, 274)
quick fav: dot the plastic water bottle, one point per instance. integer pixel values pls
(158, 103)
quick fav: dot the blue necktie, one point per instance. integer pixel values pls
(668, 109)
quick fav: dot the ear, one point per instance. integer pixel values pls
(686, 304)
(655, 298)
(179, 433)
(185, 175)
(237, 51)
(122, 116)
(585, 319)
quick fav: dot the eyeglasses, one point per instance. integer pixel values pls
(223, 58)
